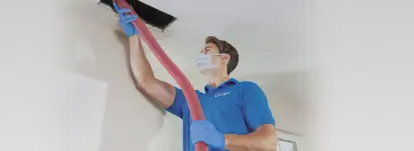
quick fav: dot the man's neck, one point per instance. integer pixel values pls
(218, 80)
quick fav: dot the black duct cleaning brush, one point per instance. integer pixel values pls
(147, 13)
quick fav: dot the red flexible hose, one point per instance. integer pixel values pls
(173, 70)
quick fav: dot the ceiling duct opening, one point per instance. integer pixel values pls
(150, 15)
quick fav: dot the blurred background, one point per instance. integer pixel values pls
(338, 74)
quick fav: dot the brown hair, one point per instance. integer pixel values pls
(227, 48)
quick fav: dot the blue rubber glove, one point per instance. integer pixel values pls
(126, 20)
(204, 131)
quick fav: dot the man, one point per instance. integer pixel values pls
(237, 114)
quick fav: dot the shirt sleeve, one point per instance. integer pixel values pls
(177, 107)
(255, 106)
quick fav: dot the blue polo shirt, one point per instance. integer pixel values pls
(233, 107)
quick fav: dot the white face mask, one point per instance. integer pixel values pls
(205, 62)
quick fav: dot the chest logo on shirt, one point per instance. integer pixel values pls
(221, 94)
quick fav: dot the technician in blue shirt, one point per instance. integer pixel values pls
(237, 113)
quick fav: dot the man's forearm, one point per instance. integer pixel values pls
(139, 64)
(251, 142)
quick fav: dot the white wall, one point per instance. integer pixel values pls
(295, 102)
(130, 121)
(299, 119)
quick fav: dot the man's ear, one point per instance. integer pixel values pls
(225, 57)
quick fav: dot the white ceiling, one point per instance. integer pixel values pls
(277, 34)
(266, 46)
(273, 43)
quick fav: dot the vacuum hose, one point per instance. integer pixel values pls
(173, 70)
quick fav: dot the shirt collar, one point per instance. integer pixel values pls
(231, 81)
